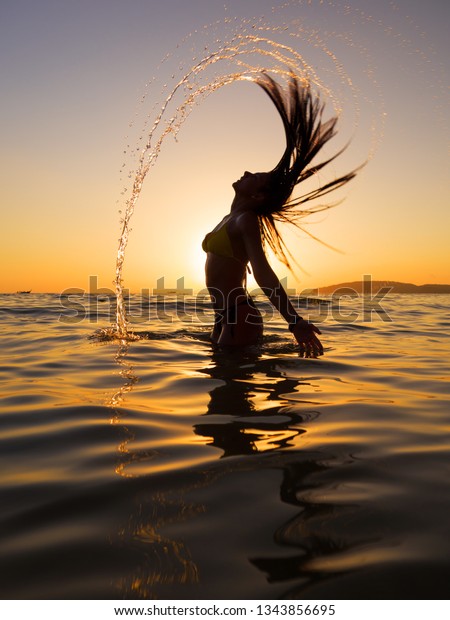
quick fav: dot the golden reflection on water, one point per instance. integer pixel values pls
(126, 372)
(360, 557)
(162, 560)
(265, 470)
(115, 400)
(258, 407)
(246, 414)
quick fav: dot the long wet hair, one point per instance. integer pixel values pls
(306, 134)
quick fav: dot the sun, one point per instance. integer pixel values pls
(195, 265)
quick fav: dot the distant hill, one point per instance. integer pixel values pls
(375, 285)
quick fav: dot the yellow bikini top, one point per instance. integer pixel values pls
(218, 242)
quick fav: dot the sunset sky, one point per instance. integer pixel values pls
(75, 75)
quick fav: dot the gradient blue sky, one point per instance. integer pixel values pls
(74, 73)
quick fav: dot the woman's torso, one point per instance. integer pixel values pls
(226, 262)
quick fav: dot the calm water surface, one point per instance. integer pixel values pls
(162, 469)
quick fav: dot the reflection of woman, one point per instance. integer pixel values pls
(248, 412)
(260, 200)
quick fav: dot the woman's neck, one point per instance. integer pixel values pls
(240, 205)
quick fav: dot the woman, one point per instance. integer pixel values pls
(260, 200)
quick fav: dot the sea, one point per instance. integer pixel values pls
(160, 467)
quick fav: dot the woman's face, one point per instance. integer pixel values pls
(251, 184)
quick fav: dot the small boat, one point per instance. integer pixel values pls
(23, 292)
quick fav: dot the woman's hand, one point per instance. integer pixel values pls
(305, 334)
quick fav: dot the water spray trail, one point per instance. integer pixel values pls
(287, 60)
(244, 57)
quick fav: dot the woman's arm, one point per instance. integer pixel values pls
(303, 331)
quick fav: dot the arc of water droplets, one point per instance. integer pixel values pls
(286, 60)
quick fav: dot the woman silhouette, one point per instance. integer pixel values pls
(261, 199)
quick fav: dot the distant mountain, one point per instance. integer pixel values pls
(375, 285)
